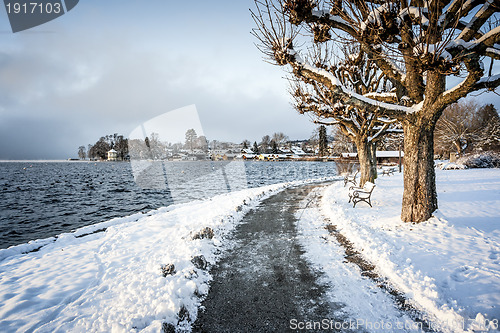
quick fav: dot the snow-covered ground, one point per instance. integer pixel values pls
(112, 281)
(449, 266)
(366, 307)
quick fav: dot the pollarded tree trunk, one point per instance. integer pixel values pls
(419, 195)
(365, 162)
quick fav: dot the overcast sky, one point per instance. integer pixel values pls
(108, 66)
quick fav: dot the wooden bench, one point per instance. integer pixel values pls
(350, 179)
(357, 194)
(388, 171)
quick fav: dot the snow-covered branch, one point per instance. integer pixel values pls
(490, 82)
(348, 97)
(478, 20)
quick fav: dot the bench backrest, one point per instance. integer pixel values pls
(369, 186)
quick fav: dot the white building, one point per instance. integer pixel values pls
(112, 155)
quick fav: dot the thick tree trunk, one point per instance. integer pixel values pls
(419, 196)
(365, 162)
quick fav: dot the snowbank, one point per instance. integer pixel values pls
(448, 266)
(470, 161)
(108, 277)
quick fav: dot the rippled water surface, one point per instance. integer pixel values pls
(43, 199)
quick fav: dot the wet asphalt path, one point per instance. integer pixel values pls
(264, 282)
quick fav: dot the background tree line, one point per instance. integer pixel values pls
(99, 150)
(155, 148)
(268, 144)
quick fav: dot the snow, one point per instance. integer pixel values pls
(416, 13)
(337, 83)
(108, 278)
(495, 51)
(448, 267)
(374, 95)
(362, 299)
(489, 34)
(436, 49)
(325, 13)
(477, 16)
(389, 153)
(375, 15)
(489, 78)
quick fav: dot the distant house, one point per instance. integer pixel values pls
(271, 157)
(245, 156)
(247, 151)
(349, 156)
(112, 155)
(389, 157)
(298, 151)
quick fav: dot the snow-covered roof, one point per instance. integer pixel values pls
(389, 153)
(298, 151)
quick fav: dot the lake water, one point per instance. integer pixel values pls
(44, 199)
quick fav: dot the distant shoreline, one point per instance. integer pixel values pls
(310, 159)
(45, 161)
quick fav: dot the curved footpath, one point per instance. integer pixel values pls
(264, 284)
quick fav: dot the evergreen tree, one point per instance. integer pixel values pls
(255, 148)
(274, 147)
(323, 141)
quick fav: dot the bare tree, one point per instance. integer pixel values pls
(341, 142)
(393, 140)
(417, 44)
(457, 127)
(89, 152)
(202, 143)
(279, 138)
(265, 143)
(191, 138)
(81, 153)
(357, 72)
(467, 127)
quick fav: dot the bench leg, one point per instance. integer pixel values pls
(356, 200)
